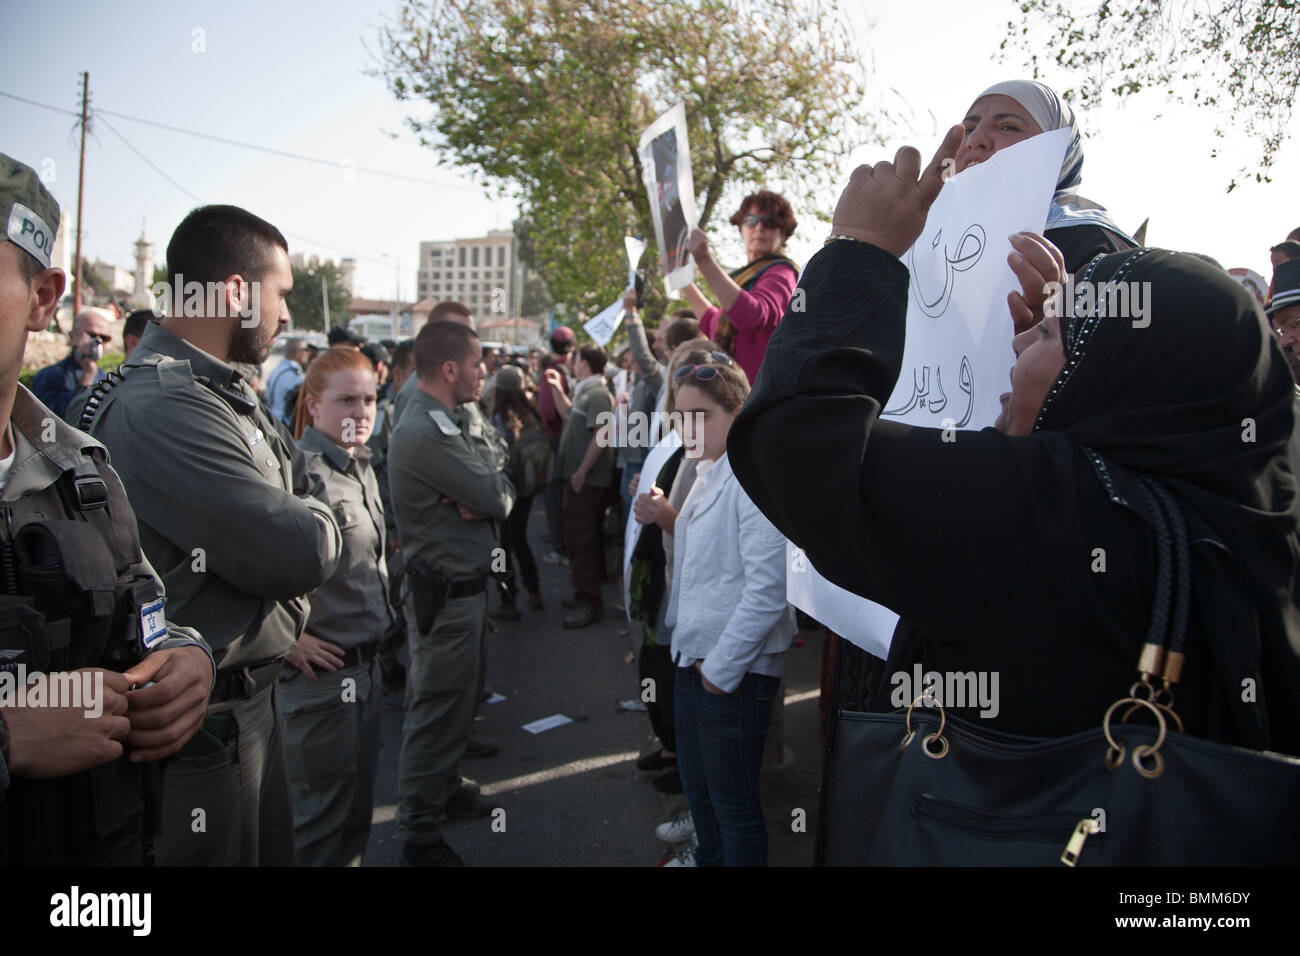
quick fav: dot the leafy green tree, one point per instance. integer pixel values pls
(1239, 58)
(547, 101)
(536, 297)
(306, 306)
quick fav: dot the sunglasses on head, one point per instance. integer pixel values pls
(753, 219)
(703, 372)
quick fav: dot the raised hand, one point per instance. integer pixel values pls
(886, 204)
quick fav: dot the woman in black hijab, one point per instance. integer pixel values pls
(987, 543)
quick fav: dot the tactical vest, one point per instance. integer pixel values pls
(69, 599)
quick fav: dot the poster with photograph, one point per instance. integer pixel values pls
(666, 165)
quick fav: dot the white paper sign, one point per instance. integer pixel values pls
(866, 623)
(650, 468)
(666, 166)
(602, 327)
(635, 250)
(957, 353)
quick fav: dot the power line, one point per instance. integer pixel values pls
(302, 157)
(150, 163)
(44, 106)
(198, 199)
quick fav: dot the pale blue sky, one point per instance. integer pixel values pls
(288, 75)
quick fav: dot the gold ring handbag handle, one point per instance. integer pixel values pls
(938, 735)
(1115, 752)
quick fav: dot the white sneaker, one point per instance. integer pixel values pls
(686, 855)
(677, 830)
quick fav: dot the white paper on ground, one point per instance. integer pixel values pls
(601, 328)
(496, 698)
(547, 723)
(957, 354)
(650, 468)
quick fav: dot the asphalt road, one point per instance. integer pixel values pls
(571, 795)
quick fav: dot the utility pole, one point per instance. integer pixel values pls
(397, 290)
(81, 187)
(516, 292)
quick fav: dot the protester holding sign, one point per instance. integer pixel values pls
(1015, 110)
(1028, 552)
(753, 298)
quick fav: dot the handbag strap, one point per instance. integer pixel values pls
(1182, 567)
(1165, 648)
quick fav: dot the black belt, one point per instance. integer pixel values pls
(466, 587)
(244, 682)
(361, 654)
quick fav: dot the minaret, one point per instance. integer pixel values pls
(143, 297)
(348, 274)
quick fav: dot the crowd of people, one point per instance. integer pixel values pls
(372, 498)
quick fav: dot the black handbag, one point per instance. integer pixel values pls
(925, 789)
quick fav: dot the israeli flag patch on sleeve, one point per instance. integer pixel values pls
(153, 623)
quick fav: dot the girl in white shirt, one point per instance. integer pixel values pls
(731, 626)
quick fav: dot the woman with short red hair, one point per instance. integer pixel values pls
(751, 300)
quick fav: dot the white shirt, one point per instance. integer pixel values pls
(728, 671)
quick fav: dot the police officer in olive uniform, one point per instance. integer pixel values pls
(480, 745)
(402, 369)
(76, 594)
(238, 541)
(449, 492)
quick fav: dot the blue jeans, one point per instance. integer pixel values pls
(719, 750)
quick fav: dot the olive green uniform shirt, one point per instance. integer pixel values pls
(403, 398)
(351, 608)
(437, 452)
(380, 435)
(34, 475)
(237, 541)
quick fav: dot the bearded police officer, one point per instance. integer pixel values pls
(449, 492)
(479, 745)
(81, 610)
(237, 541)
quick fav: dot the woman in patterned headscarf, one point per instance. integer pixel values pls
(1015, 110)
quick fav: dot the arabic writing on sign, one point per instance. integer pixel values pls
(928, 394)
(943, 263)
